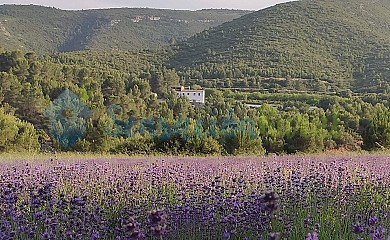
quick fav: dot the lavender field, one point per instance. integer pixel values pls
(289, 197)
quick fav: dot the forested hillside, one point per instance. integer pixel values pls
(47, 30)
(306, 76)
(78, 102)
(345, 44)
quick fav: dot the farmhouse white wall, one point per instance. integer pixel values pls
(193, 95)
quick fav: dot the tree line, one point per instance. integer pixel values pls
(76, 106)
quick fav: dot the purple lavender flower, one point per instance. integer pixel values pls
(270, 201)
(312, 236)
(133, 230)
(157, 222)
(94, 236)
(226, 235)
(357, 228)
(372, 221)
(378, 233)
(273, 236)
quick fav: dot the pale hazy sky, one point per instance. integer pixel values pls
(173, 4)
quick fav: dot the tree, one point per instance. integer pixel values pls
(16, 135)
(162, 82)
(32, 104)
(242, 138)
(376, 131)
(113, 87)
(67, 117)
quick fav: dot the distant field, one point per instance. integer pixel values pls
(70, 197)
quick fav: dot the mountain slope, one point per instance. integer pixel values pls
(45, 30)
(342, 42)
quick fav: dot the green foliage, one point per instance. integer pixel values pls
(123, 106)
(376, 131)
(241, 138)
(139, 144)
(291, 115)
(82, 145)
(16, 135)
(301, 45)
(162, 82)
(208, 146)
(67, 119)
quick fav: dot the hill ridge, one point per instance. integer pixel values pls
(47, 29)
(325, 40)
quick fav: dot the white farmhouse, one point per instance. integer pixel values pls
(195, 96)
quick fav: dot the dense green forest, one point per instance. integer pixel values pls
(305, 76)
(329, 45)
(48, 30)
(69, 104)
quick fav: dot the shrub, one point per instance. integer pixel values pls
(139, 144)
